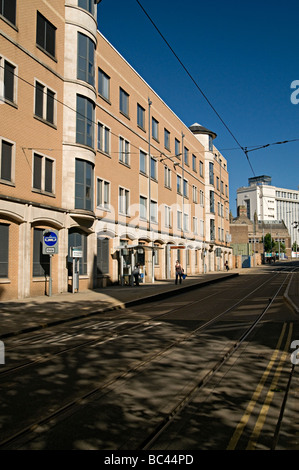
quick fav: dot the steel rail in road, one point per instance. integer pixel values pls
(28, 431)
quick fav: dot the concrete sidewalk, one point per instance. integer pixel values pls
(21, 316)
(25, 315)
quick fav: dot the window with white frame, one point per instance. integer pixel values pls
(186, 156)
(201, 168)
(103, 138)
(4, 250)
(123, 201)
(201, 198)
(45, 103)
(154, 212)
(186, 222)
(167, 177)
(7, 160)
(103, 193)
(124, 151)
(195, 225)
(143, 208)
(194, 194)
(8, 83)
(43, 173)
(179, 220)
(167, 216)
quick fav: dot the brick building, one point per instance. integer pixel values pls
(89, 150)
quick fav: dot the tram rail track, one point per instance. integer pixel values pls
(73, 405)
(42, 358)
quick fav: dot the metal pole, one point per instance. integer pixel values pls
(50, 278)
(183, 208)
(149, 189)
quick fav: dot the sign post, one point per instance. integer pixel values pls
(50, 247)
(76, 254)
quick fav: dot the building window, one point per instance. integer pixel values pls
(45, 34)
(154, 169)
(9, 88)
(44, 103)
(200, 168)
(186, 156)
(212, 230)
(167, 216)
(194, 160)
(123, 201)
(186, 222)
(83, 185)
(155, 129)
(140, 116)
(211, 173)
(6, 160)
(212, 202)
(4, 237)
(195, 226)
(41, 263)
(104, 85)
(103, 193)
(43, 173)
(154, 212)
(167, 177)
(124, 151)
(84, 121)
(166, 139)
(194, 194)
(103, 138)
(179, 220)
(85, 59)
(179, 184)
(186, 189)
(78, 239)
(142, 162)
(143, 208)
(201, 198)
(177, 146)
(103, 256)
(124, 102)
(86, 5)
(8, 10)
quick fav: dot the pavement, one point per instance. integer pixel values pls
(25, 315)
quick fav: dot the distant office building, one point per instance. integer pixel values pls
(270, 204)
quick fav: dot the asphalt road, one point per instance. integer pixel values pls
(142, 378)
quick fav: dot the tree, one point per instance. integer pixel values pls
(295, 246)
(268, 243)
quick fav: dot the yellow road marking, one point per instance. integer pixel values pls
(244, 420)
(265, 408)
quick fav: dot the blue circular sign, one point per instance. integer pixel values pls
(50, 239)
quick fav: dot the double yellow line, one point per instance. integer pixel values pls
(265, 408)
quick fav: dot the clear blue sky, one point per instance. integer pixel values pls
(243, 55)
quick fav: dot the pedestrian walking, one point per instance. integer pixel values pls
(226, 265)
(136, 274)
(178, 272)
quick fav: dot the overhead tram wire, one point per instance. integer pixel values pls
(197, 86)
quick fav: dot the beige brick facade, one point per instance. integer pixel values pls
(74, 162)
